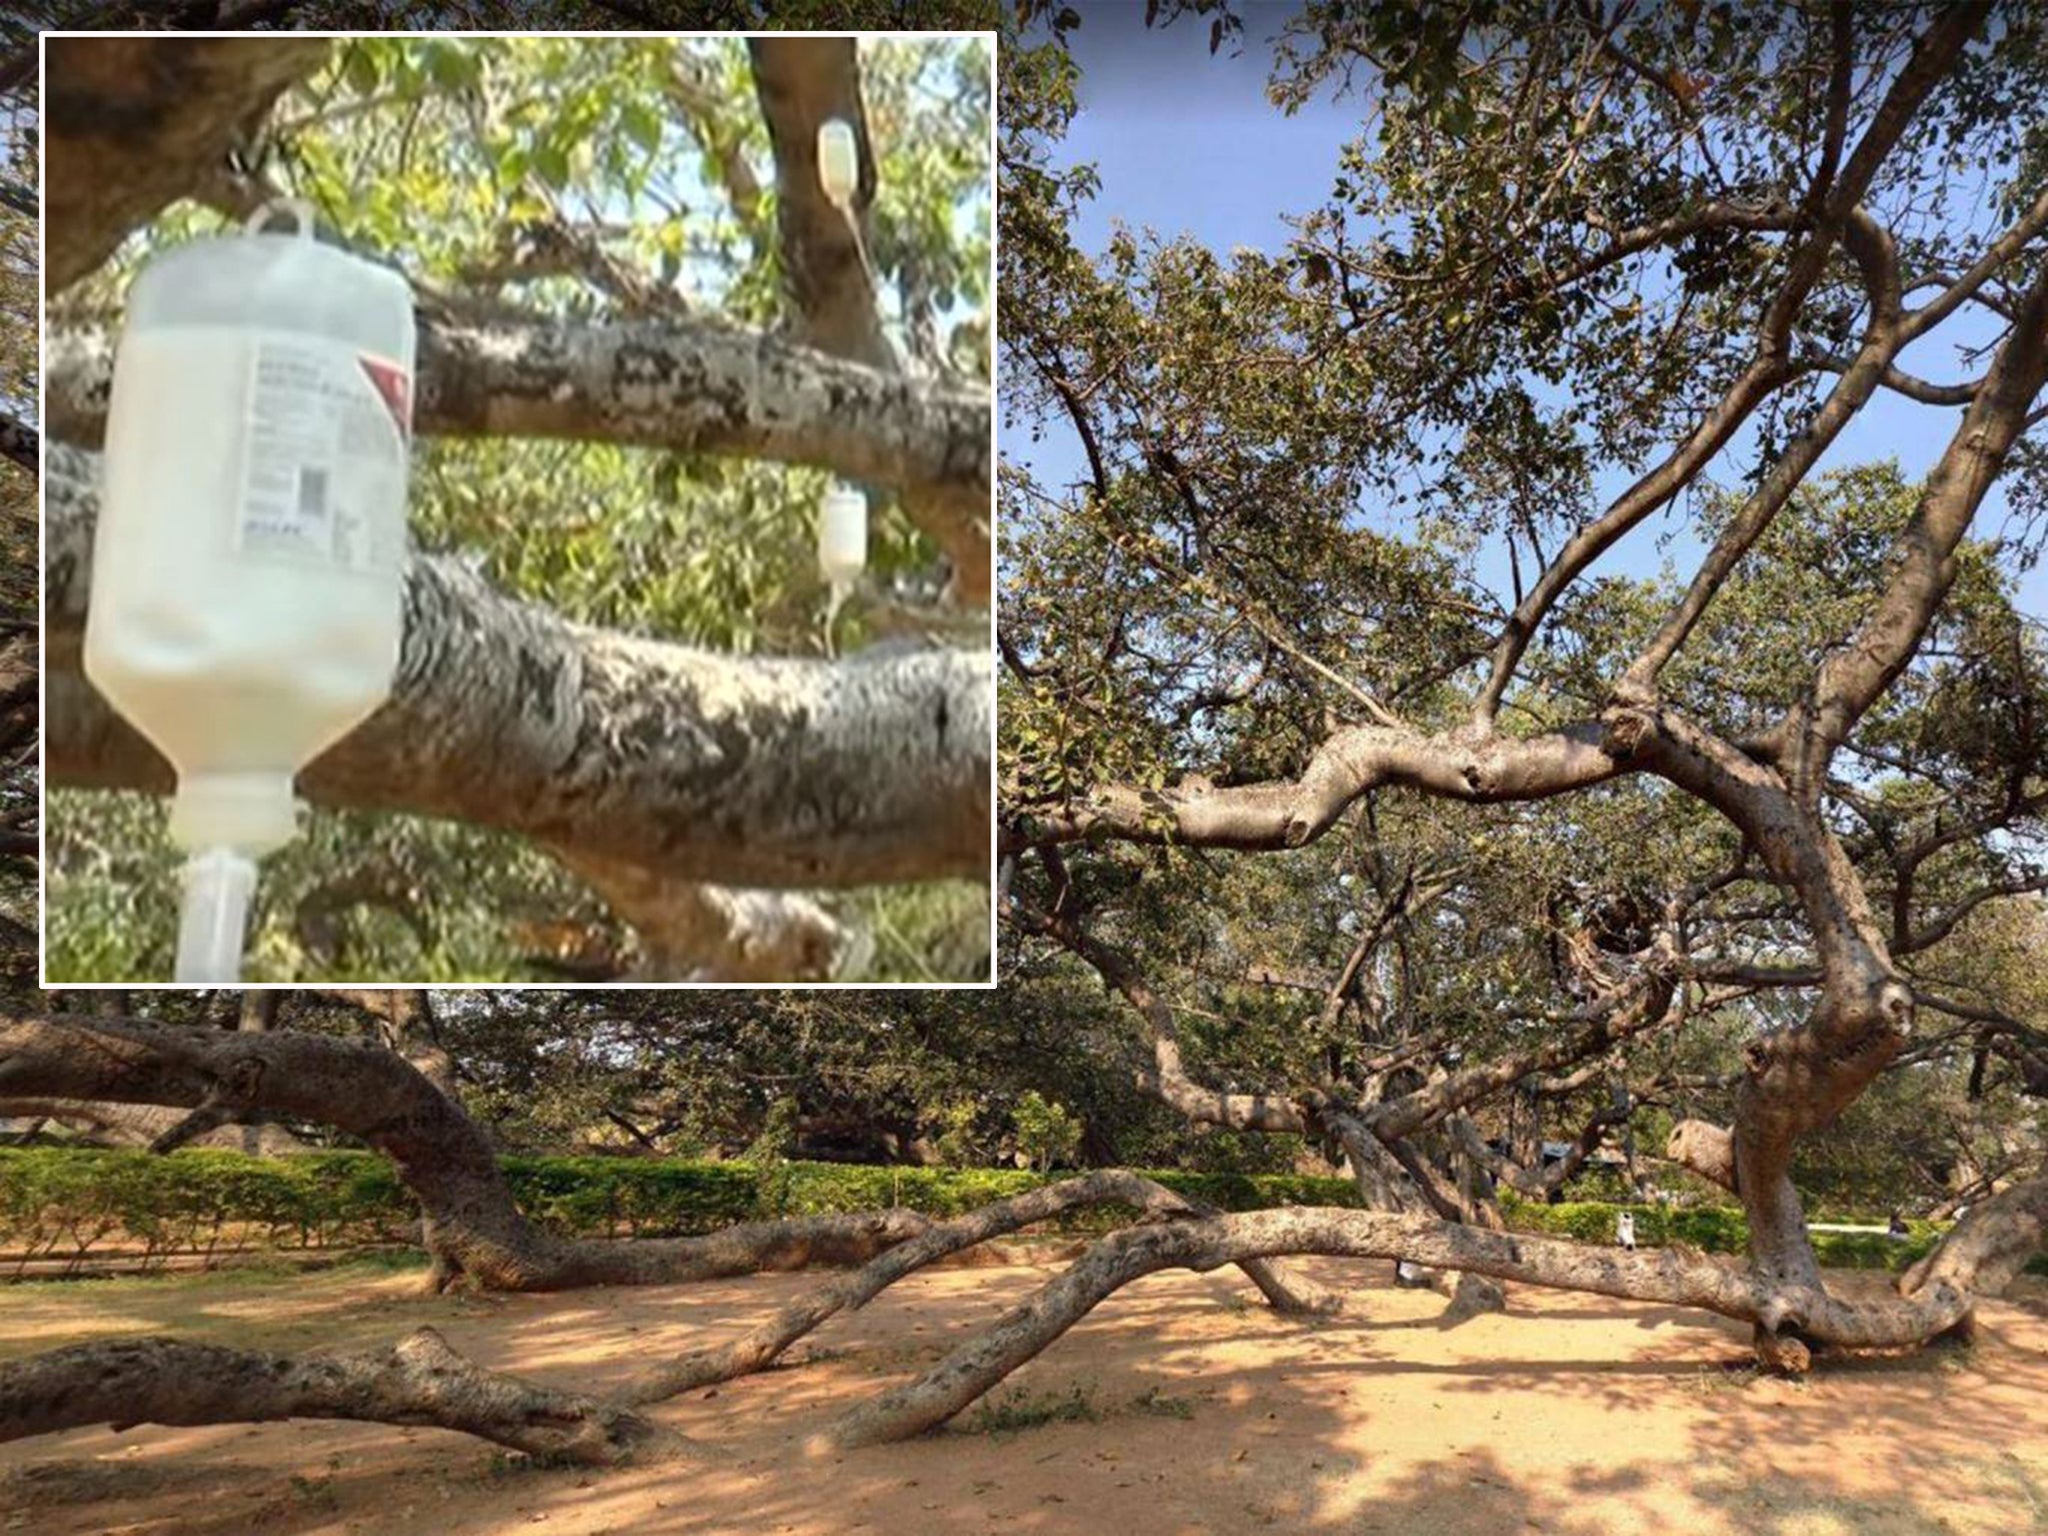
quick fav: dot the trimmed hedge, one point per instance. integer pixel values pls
(1721, 1229)
(73, 1205)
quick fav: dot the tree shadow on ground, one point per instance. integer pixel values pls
(1180, 1408)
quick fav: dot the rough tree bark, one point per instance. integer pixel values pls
(472, 1227)
(130, 125)
(418, 1380)
(754, 772)
(698, 386)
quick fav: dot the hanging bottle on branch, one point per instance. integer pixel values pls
(246, 586)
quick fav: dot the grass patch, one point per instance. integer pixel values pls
(1019, 1410)
(253, 1270)
(1163, 1405)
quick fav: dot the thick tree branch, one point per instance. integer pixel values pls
(1987, 1256)
(164, 111)
(762, 1345)
(1934, 55)
(1873, 247)
(749, 772)
(418, 1380)
(1472, 765)
(1652, 491)
(693, 387)
(1854, 674)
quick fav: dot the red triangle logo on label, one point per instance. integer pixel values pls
(392, 384)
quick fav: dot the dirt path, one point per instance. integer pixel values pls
(1183, 1408)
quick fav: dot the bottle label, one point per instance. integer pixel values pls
(324, 475)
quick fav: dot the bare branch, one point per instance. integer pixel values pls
(1470, 765)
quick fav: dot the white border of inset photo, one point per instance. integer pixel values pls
(989, 39)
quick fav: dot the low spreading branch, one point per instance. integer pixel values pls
(762, 1345)
(473, 1228)
(1978, 1259)
(419, 1380)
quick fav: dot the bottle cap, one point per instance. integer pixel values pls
(249, 812)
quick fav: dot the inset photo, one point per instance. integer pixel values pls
(517, 509)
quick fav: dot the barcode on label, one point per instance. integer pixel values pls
(312, 492)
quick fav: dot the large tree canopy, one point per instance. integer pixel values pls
(635, 360)
(1353, 734)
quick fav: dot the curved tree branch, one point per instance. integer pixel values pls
(1477, 766)
(762, 1345)
(473, 1228)
(1854, 674)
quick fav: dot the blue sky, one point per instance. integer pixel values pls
(1187, 142)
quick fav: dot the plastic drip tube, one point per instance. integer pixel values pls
(212, 915)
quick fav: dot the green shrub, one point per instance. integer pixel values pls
(70, 1204)
(1719, 1229)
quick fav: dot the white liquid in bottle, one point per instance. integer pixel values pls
(246, 598)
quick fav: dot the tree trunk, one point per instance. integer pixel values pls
(419, 1380)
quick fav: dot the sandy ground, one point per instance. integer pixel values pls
(1190, 1409)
